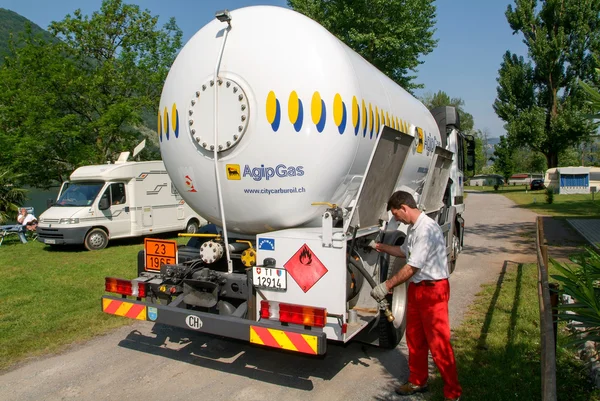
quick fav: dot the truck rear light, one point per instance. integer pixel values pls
(297, 314)
(125, 287)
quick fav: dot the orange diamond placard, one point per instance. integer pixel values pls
(305, 268)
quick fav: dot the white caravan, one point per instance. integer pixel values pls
(120, 200)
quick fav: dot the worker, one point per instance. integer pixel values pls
(427, 322)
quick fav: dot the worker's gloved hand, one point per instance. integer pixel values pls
(379, 292)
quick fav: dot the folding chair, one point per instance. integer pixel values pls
(13, 229)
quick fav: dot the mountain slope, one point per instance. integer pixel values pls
(15, 24)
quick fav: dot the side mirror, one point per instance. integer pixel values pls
(50, 202)
(470, 153)
(104, 204)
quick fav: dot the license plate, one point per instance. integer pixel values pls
(268, 277)
(49, 241)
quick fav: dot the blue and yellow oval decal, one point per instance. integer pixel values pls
(295, 111)
(166, 123)
(159, 130)
(273, 110)
(175, 120)
(340, 115)
(318, 111)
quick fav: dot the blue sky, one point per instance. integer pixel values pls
(473, 36)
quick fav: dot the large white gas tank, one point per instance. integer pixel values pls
(298, 115)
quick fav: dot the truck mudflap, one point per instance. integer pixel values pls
(269, 334)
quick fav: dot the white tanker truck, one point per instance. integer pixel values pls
(291, 144)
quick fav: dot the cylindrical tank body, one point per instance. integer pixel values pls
(298, 116)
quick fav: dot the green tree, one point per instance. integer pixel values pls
(539, 99)
(592, 97)
(11, 197)
(390, 34)
(441, 98)
(504, 163)
(480, 150)
(528, 161)
(569, 157)
(81, 100)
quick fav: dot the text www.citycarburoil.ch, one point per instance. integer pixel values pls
(276, 191)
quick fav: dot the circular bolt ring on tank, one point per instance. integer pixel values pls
(211, 252)
(234, 112)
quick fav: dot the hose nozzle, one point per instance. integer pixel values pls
(386, 310)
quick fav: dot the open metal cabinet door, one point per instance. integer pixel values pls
(436, 181)
(382, 172)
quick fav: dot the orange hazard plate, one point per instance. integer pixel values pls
(159, 252)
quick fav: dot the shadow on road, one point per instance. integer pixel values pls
(287, 369)
(510, 235)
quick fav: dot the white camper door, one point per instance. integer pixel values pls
(147, 219)
(118, 215)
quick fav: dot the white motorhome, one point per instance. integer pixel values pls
(120, 200)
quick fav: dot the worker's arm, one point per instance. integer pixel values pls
(380, 291)
(402, 276)
(393, 250)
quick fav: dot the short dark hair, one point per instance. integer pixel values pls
(400, 198)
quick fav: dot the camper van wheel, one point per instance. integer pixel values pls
(192, 227)
(96, 239)
(390, 334)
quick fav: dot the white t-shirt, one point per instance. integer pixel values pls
(425, 249)
(28, 219)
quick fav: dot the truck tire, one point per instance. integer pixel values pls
(192, 227)
(455, 251)
(96, 239)
(390, 334)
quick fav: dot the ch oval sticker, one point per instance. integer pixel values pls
(193, 322)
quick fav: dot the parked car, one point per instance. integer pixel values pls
(537, 184)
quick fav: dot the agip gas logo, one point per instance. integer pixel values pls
(233, 171)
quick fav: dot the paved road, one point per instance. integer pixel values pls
(146, 361)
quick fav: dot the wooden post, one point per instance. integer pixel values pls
(547, 336)
(554, 303)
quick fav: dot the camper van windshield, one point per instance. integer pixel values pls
(80, 194)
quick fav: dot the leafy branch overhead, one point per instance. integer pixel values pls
(390, 34)
(538, 98)
(81, 99)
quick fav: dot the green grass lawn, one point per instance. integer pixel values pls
(580, 205)
(50, 298)
(498, 350)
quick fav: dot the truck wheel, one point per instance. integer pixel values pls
(455, 251)
(96, 239)
(192, 227)
(390, 334)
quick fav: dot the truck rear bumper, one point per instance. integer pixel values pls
(312, 342)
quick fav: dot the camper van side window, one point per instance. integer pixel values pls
(118, 193)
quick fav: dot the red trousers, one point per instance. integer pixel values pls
(428, 329)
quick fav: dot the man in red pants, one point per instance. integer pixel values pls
(427, 323)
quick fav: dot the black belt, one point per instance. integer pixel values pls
(429, 283)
